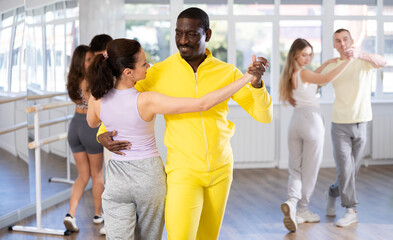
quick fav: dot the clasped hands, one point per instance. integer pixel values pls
(257, 68)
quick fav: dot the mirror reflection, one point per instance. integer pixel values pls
(14, 170)
(35, 51)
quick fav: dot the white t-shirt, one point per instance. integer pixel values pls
(353, 92)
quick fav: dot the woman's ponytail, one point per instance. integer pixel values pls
(109, 66)
(99, 77)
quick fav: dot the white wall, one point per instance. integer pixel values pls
(272, 150)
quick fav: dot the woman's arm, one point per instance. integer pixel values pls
(317, 78)
(150, 103)
(93, 112)
(319, 70)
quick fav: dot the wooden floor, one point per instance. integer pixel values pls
(253, 210)
(17, 179)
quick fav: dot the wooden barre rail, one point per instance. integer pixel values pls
(36, 144)
(51, 122)
(33, 97)
(12, 99)
(48, 106)
(30, 127)
(13, 128)
(36, 97)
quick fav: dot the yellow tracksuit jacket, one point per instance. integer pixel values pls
(200, 141)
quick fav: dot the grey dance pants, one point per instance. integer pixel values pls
(134, 199)
(349, 141)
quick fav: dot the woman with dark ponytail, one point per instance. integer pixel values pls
(87, 152)
(135, 189)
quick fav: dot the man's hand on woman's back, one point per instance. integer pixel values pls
(106, 139)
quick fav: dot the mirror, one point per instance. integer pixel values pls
(37, 41)
(14, 171)
(47, 63)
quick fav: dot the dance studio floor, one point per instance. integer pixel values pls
(253, 210)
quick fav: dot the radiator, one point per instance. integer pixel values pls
(253, 141)
(382, 137)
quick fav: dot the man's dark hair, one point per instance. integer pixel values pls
(198, 14)
(342, 30)
(99, 42)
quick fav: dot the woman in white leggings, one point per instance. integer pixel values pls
(298, 86)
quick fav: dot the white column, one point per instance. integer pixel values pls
(101, 16)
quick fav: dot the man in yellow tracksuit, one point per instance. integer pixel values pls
(199, 155)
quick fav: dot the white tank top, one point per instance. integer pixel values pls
(119, 111)
(305, 94)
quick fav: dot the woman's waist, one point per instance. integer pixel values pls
(81, 110)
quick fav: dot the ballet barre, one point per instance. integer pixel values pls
(37, 108)
(36, 145)
(51, 122)
(52, 106)
(13, 128)
(50, 95)
(13, 99)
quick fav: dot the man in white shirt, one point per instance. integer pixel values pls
(350, 116)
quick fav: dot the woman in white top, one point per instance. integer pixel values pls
(298, 86)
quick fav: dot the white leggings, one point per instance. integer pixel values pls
(305, 142)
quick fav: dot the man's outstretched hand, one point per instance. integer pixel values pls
(106, 139)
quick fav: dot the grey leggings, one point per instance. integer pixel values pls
(134, 199)
(81, 137)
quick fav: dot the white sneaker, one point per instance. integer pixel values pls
(307, 216)
(350, 216)
(289, 211)
(102, 231)
(70, 223)
(98, 219)
(331, 206)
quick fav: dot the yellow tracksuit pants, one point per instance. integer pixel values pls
(195, 202)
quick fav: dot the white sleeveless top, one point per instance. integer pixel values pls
(305, 94)
(119, 111)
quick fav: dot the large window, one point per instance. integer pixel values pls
(355, 8)
(240, 28)
(149, 23)
(364, 34)
(52, 35)
(12, 26)
(388, 51)
(367, 22)
(153, 36)
(301, 8)
(255, 38)
(257, 7)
